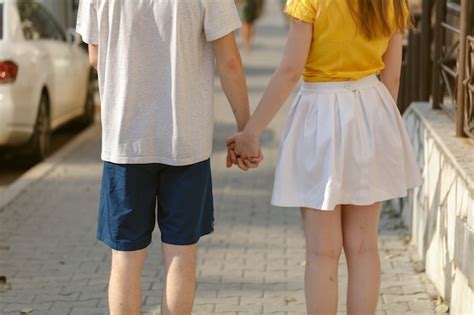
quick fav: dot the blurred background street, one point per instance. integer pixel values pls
(50, 262)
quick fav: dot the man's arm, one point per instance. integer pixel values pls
(231, 72)
(93, 55)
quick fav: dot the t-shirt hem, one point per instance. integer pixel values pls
(86, 38)
(155, 159)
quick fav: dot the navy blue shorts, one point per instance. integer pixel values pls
(134, 196)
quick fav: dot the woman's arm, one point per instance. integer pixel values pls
(281, 85)
(392, 58)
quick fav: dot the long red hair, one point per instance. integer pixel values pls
(373, 16)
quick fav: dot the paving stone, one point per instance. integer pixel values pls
(209, 308)
(57, 297)
(291, 308)
(421, 306)
(392, 298)
(395, 289)
(89, 311)
(15, 307)
(255, 309)
(394, 307)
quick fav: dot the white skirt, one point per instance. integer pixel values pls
(344, 143)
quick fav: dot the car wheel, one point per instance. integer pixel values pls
(88, 117)
(41, 140)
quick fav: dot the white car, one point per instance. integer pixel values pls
(45, 77)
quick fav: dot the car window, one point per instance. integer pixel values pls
(1, 20)
(38, 23)
(29, 20)
(55, 31)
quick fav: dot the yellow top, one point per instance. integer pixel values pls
(339, 51)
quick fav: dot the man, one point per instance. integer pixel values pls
(155, 61)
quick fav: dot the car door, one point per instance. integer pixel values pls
(50, 38)
(77, 63)
(81, 72)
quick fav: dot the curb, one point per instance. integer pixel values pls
(42, 169)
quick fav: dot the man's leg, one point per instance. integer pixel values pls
(185, 214)
(180, 279)
(124, 286)
(126, 222)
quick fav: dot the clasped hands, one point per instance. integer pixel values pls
(243, 150)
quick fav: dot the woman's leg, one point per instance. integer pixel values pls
(360, 230)
(323, 234)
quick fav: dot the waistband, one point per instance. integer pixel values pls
(330, 87)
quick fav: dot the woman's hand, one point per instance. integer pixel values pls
(246, 146)
(244, 151)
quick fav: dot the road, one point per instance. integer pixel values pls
(11, 167)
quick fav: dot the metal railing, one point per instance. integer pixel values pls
(410, 76)
(417, 59)
(447, 42)
(451, 55)
(452, 71)
(468, 119)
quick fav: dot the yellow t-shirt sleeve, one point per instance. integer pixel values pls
(304, 10)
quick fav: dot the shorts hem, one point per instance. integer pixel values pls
(139, 245)
(169, 241)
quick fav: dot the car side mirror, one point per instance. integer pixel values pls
(73, 38)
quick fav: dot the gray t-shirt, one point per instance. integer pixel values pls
(156, 75)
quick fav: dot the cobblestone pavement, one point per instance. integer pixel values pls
(252, 264)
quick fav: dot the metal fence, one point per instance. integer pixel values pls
(410, 90)
(446, 52)
(447, 48)
(468, 119)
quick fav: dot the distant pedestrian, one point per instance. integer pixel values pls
(344, 148)
(250, 11)
(155, 61)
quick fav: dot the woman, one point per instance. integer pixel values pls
(250, 11)
(344, 148)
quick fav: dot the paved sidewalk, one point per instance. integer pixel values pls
(252, 264)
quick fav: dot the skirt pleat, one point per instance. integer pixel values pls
(344, 143)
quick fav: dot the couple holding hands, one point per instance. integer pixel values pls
(344, 148)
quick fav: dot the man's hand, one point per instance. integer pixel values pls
(244, 151)
(244, 165)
